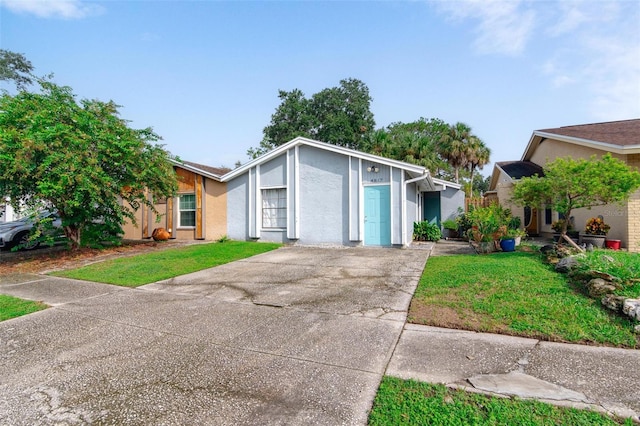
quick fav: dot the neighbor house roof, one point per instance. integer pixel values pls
(208, 171)
(413, 170)
(514, 170)
(620, 137)
(519, 169)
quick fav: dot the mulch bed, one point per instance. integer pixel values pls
(47, 259)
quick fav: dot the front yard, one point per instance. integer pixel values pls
(134, 271)
(506, 293)
(516, 294)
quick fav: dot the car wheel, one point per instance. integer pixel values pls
(23, 242)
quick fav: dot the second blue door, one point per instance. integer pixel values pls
(377, 216)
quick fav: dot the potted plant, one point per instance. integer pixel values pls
(451, 228)
(595, 232)
(488, 225)
(508, 241)
(557, 229)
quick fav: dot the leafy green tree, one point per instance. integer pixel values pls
(338, 115)
(454, 147)
(414, 142)
(478, 155)
(81, 159)
(480, 185)
(570, 184)
(15, 67)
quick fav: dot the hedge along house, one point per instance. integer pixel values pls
(313, 193)
(198, 212)
(620, 138)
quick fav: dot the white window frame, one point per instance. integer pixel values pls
(180, 210)
(279, 209)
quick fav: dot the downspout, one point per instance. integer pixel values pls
(426, 175)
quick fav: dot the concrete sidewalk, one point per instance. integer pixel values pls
(599, 378)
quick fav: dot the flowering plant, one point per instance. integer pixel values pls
(596, 226)
(558, 224)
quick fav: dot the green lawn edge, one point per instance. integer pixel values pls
(410, 402)
(13, 307)
(134, 271)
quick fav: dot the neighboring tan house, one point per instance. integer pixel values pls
(310, 192)
(620, 138)
(198, 212)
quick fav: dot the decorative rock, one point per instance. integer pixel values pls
(604, 276)
(598, 287)
(631, 307)
(548, 249)
(607, 258)
(613, 302)
(160, 234)
(566, 264)
(637, 329)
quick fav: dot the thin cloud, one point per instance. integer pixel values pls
(601, 53)
(502, 27)
(65, 9)
(594, 46)
(614, 78)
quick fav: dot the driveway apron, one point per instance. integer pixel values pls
(295, 336)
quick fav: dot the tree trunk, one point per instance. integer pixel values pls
(73, 234)
(571, 242)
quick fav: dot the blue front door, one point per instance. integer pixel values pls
(377, 216)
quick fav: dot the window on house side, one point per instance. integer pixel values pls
(187, 210)
(274, 208)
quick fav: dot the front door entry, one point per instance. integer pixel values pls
(377, 215)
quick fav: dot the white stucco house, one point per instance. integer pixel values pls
(313, 193)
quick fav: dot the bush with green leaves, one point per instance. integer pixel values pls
(426, 231)
(488, 223)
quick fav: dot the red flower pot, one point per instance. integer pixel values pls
(612, 244)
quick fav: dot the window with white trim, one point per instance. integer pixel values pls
(274, 208)
(187, 211)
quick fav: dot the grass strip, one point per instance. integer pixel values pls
(12, 307)
(513, 293)
(146, 268)
(409, 402)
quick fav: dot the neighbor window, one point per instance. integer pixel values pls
(274, 208)
(548, 216)
(187, 211)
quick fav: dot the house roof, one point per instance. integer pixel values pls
(514, 170)
(519, 169)
(208, 171)
(413, 170)
(620, 137)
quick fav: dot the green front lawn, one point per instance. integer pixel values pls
(408, 402)
(143, 269)
(516, 294)
(12, 307)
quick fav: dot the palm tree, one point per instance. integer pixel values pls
(478, 156)
(454, 148)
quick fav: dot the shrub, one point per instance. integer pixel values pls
(426, 231)
(596, 226)
(488, 223)
(450, 224)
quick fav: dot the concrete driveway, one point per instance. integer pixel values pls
(294, 336)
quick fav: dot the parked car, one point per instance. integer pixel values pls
(17, 233)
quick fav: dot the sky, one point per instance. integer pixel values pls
(205, 75)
